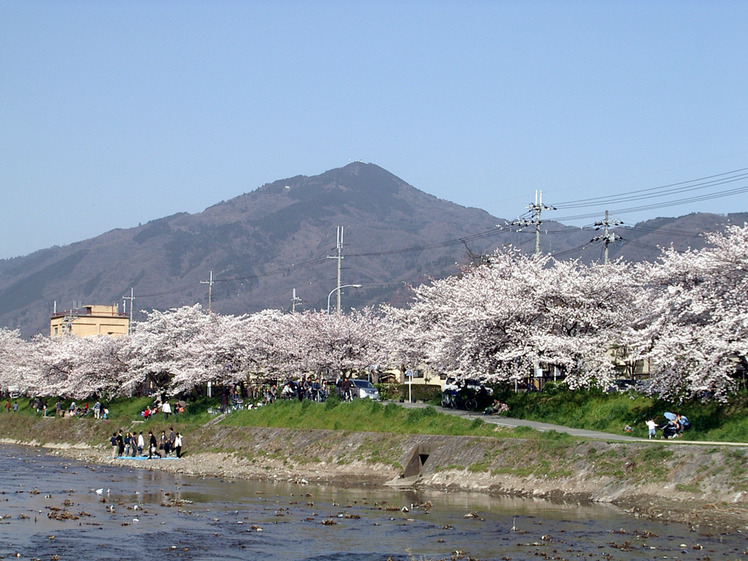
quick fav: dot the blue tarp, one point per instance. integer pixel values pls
(146, 458)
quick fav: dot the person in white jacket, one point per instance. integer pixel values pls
(652, 426)
(178, 444)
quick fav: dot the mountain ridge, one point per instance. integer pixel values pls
(263, 244)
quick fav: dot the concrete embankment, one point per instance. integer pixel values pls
(703, 486)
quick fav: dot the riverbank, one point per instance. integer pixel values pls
(705, 487)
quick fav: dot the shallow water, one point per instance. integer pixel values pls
(50, 506)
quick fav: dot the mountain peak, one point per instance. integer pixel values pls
(262, 246)
(354, 176)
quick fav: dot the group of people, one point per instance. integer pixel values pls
(308, 387)
(675, 425)
(311, 387)
(9, 407)
(133, 445)
(497, 408)
(76, 410)
(73, 410)
(164, 406)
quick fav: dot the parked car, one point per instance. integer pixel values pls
(621, 386)
(364, 388)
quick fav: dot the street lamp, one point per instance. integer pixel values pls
(334, 290)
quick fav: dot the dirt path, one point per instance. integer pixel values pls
(512, 422)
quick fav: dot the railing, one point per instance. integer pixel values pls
(86, 312)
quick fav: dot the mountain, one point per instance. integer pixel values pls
(262, 245)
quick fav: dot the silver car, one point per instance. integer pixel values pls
(364, 388)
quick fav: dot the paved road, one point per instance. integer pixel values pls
(583, 433)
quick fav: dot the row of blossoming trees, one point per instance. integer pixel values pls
(687, 314)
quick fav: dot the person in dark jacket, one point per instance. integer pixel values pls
(152, 445)
(120, 443)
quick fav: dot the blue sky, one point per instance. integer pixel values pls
(116, 113)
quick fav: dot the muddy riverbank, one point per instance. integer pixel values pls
(705, 487)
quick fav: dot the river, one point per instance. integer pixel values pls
(60, 509)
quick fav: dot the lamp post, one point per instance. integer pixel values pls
(336, 289)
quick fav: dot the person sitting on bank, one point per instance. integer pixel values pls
(496, 408)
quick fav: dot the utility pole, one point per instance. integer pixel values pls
(131, 298)
(535, 211)
(294, 300)
(339, 257)
(209, 282)
(210, 290)
(608, 237)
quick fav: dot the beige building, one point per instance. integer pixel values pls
(89, 320)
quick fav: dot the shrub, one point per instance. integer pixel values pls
(418, 392)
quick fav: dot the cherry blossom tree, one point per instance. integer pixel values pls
(500, 319)
(220, 352)
(76, 367)
(14, 359)
(276, 345)
(584, 313)
(687, 314)
(273, 344)
(339, 343)
(156, 350)
(696, 321)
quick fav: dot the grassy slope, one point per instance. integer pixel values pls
(583, 409)
(611, 412)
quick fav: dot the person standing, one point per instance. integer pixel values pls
(120, 443)
(652, 426)
(141, 443)
(130, 441)
(178, 444)
(163, 443)
(166, 408)
(345, 388)
(152, 445)
(115, 446)
(171, 440)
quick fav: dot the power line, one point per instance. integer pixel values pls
(665, 204)
(573, 250)
(672, 188)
